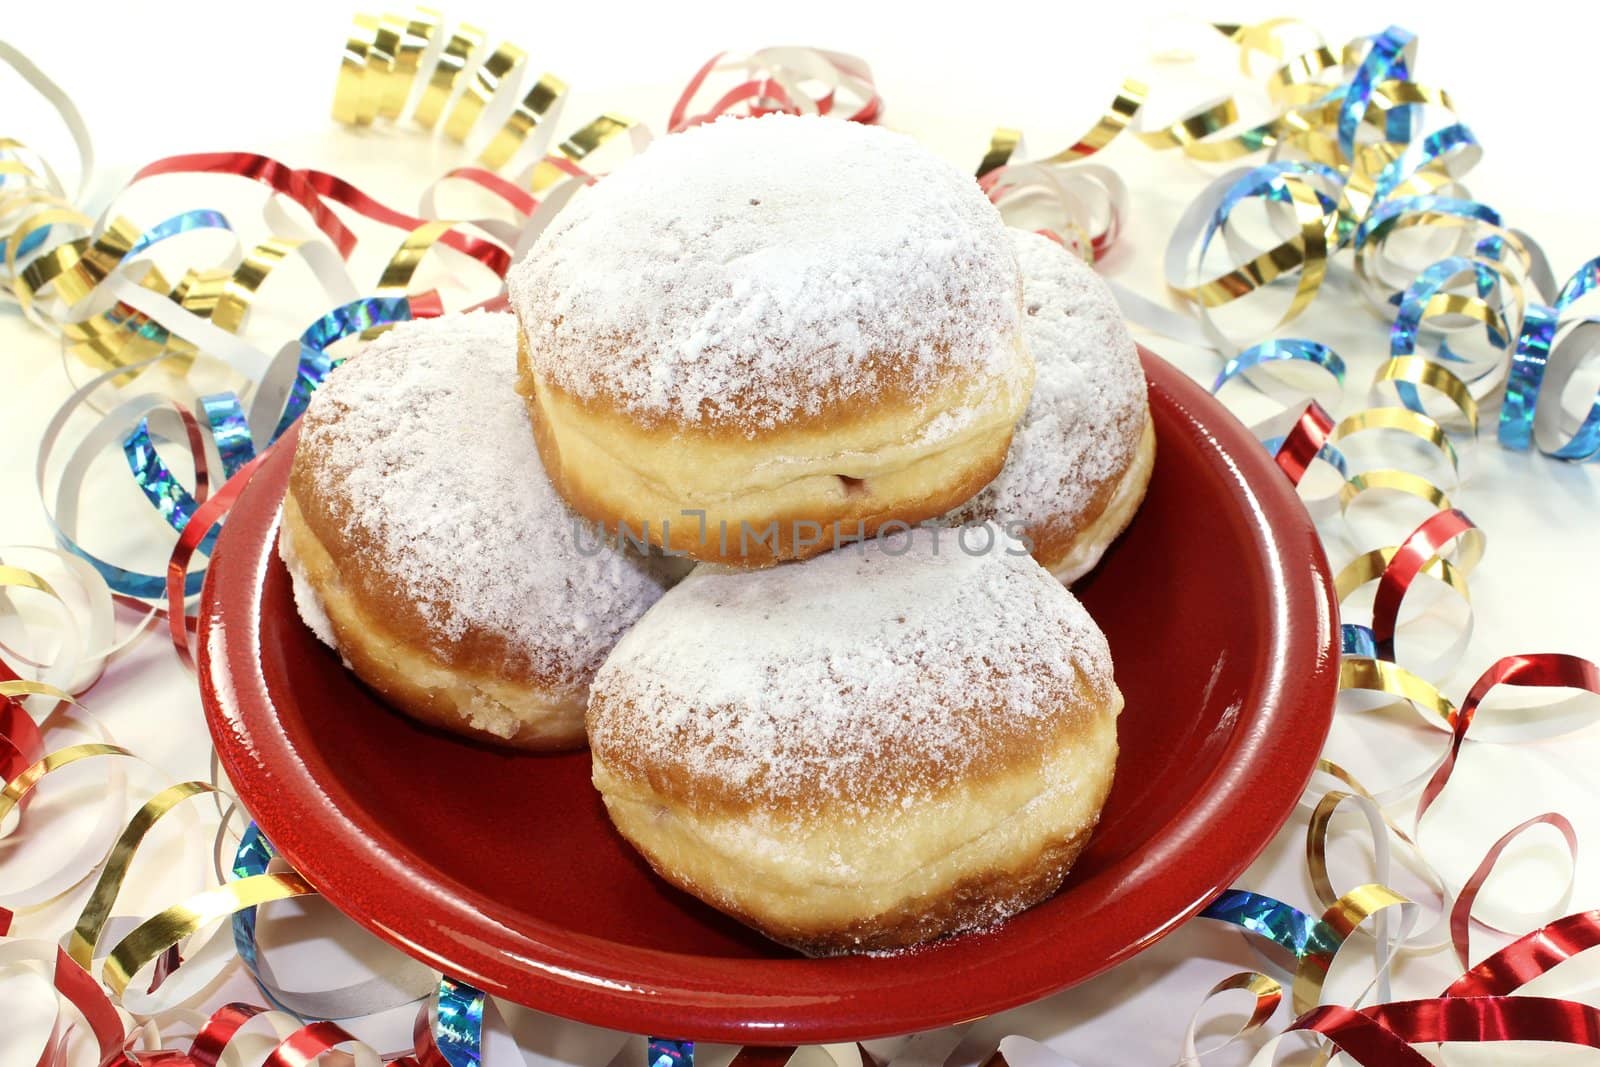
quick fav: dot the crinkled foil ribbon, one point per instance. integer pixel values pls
(1360, 157)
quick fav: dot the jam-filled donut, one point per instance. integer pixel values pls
(428, 548)
(890, 743)
(1081, 457)
(764, 336)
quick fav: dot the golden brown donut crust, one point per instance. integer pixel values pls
(480, 700)
(1069, 552)
(695, 786)
(428, 547)
(592, 452)
(368, 579)
(993, 845)
(888, 743)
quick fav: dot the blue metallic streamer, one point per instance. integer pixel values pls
(315, 363)
(30, 243)
(1269, 180)
(1357, 640)
(1530, 359)
(458, 1022)
(1419, 155)
(1386, 59)
(1284, 925)
(155, 479)
(252, 856)
(667, 1053)
(1414, 304)
(187, 222)
(160, 487)
(224, 416)
(1582, 282)
(127, 582)
(1281, 350)
(1383, 215)
(230, 430)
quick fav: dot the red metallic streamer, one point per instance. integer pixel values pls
(1424, 545)
(1304, 441)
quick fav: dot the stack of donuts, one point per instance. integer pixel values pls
(770, 492)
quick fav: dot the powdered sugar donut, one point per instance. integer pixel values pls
(427, 546)
(764, 335)
(886, 744)
(1081, 457)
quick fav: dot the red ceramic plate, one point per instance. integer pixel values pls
(502, 869)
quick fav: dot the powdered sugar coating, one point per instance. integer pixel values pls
(754, 271)
(876, 674)
(1089, 403)
(437, 479)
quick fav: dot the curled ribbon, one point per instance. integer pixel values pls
(1363, 159)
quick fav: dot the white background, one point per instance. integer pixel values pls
(153, 80)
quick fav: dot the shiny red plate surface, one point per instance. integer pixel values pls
(502, 869)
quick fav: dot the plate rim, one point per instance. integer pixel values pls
(336, 855)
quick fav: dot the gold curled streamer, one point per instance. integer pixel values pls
(1124, 106)
(530, 111)
(1393, 93)
(384, 65)
(1297, 82)
(1317, 843)
(1418, 370)
(486, 81)
(24, 687)
(403, 264)
(398, 48)
(1343, 917)
(1268, 38)
(18, 578)
(222, 296)
(1403, 419)
(352, 102)
(1268, 993)
(1265, 989)
(379, 65)
(452, 62)
(70, 270)
(1191, 129)
(97, 909)
(1381, 676)
(576, 148)
(1305, 255)
(1003, 144)
(1293, 86)
(1512, 270)
(1397, 480)
(1322, 820)
(161, 931)
(31, 776)
(114, 338)
(1472, 307)
(1369, 566)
